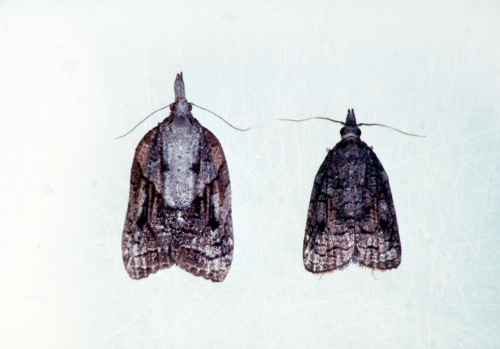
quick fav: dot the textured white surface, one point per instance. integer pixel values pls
(74, 75)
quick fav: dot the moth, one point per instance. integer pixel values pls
(351, 215)
(179, 210)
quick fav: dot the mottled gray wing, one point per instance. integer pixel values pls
(199, 238)
(205, 248)
(351, 213)
(326, 248)
(378, 245)
(146, 237)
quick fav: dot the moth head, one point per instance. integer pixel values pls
(351, 129)
(181, 105)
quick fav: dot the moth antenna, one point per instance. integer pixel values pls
(143, 121)
(317, 117)
(236, 128)
(395, 129)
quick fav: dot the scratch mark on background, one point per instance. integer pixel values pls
(131, 320)
(443, 146)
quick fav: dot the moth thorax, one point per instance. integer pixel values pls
(181, 151)
(181, 121)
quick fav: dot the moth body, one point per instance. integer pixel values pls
(179, 210)
(351, 214)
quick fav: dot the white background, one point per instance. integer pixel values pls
(75, 74)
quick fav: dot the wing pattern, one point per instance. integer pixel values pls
(351, 214)
(179, 210)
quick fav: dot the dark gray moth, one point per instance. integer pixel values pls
(179, 210)
(351, 214)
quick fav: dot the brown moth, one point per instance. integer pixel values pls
(179, 210)
(351, 214)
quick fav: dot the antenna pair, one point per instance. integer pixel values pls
(236, 128)
(343, 123)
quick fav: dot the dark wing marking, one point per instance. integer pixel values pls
(351, 213)
(327, 246)
(206, 246)
(146, 238)
(378, 244)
